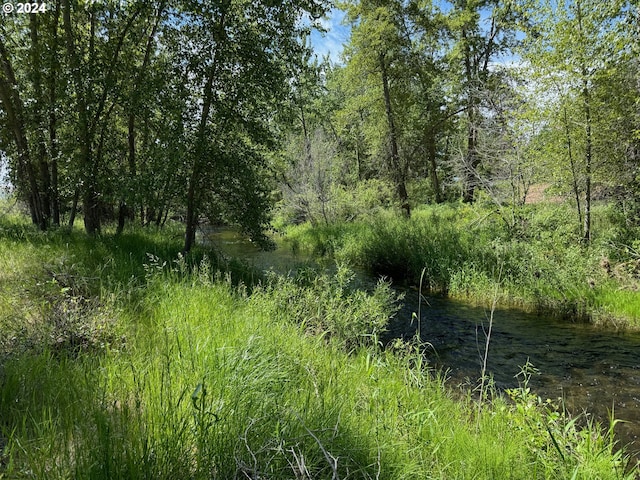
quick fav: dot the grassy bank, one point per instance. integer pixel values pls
(533, 256)
(121, 364)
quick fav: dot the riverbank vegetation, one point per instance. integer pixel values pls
(431, 104)
(124, 359)
(130, 351)
(534, 260)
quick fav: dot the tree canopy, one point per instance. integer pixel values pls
(137, 111)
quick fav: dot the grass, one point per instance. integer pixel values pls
(180, 370)
(535, 257)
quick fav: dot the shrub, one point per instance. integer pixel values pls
(327, 306)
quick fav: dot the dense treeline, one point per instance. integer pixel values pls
(476, 99)
(141, 110)
(132, 109)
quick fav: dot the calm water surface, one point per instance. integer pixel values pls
(581, 367)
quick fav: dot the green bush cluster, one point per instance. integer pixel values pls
(327, 306)
(533, 255)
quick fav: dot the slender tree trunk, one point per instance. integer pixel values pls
(14, 110)
(53, 119)
(574, 173)
(472, 159)
(192, 216)
(433, 171)
(586, 98)
(90, 195)
(193, 199)
(587, 163)
(122, 214)
(41, 147)
(397, 172)
(123, 210)
(131, 124)
(74, 207)
(193, 196)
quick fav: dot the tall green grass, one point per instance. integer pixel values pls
(201, 377)
(537, 261)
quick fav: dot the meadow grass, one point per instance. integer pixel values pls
(536, 259)
(178, 370)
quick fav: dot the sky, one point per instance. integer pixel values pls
(331, 43)
(337, 34)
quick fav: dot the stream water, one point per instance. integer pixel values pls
(586, 369)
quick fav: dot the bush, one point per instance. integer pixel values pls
(327, 306)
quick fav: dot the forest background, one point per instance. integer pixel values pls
(140, 110)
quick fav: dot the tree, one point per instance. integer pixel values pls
(475, 47)
(375, 54)
(109, 28)
(576, 49)
(238, 57)
(26, 107)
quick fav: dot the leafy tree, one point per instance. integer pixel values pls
(475, 47)
(376, 56)
(238, 57)
(576, 49)
(28, 82)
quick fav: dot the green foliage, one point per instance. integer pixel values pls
(327, 306)
(199, 377)
(534, 258)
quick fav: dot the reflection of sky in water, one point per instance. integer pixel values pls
(581, 366)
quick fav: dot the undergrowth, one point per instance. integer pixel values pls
(536, 258)
(199, 374)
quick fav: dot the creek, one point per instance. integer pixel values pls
(581, 368)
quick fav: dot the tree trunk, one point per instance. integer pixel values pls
(397, 173)
(89, 194)
(193, 196)
(587, 164)
(41, 147)
(193, 199)
(53, 119)
(472, 160)
(14, 109)
(131, 124)
(586, 97)
(433, 172)
(74, 208)
(574, 173)
(191, 220)
(122, 214)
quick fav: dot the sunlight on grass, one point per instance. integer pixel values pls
(172, 368)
